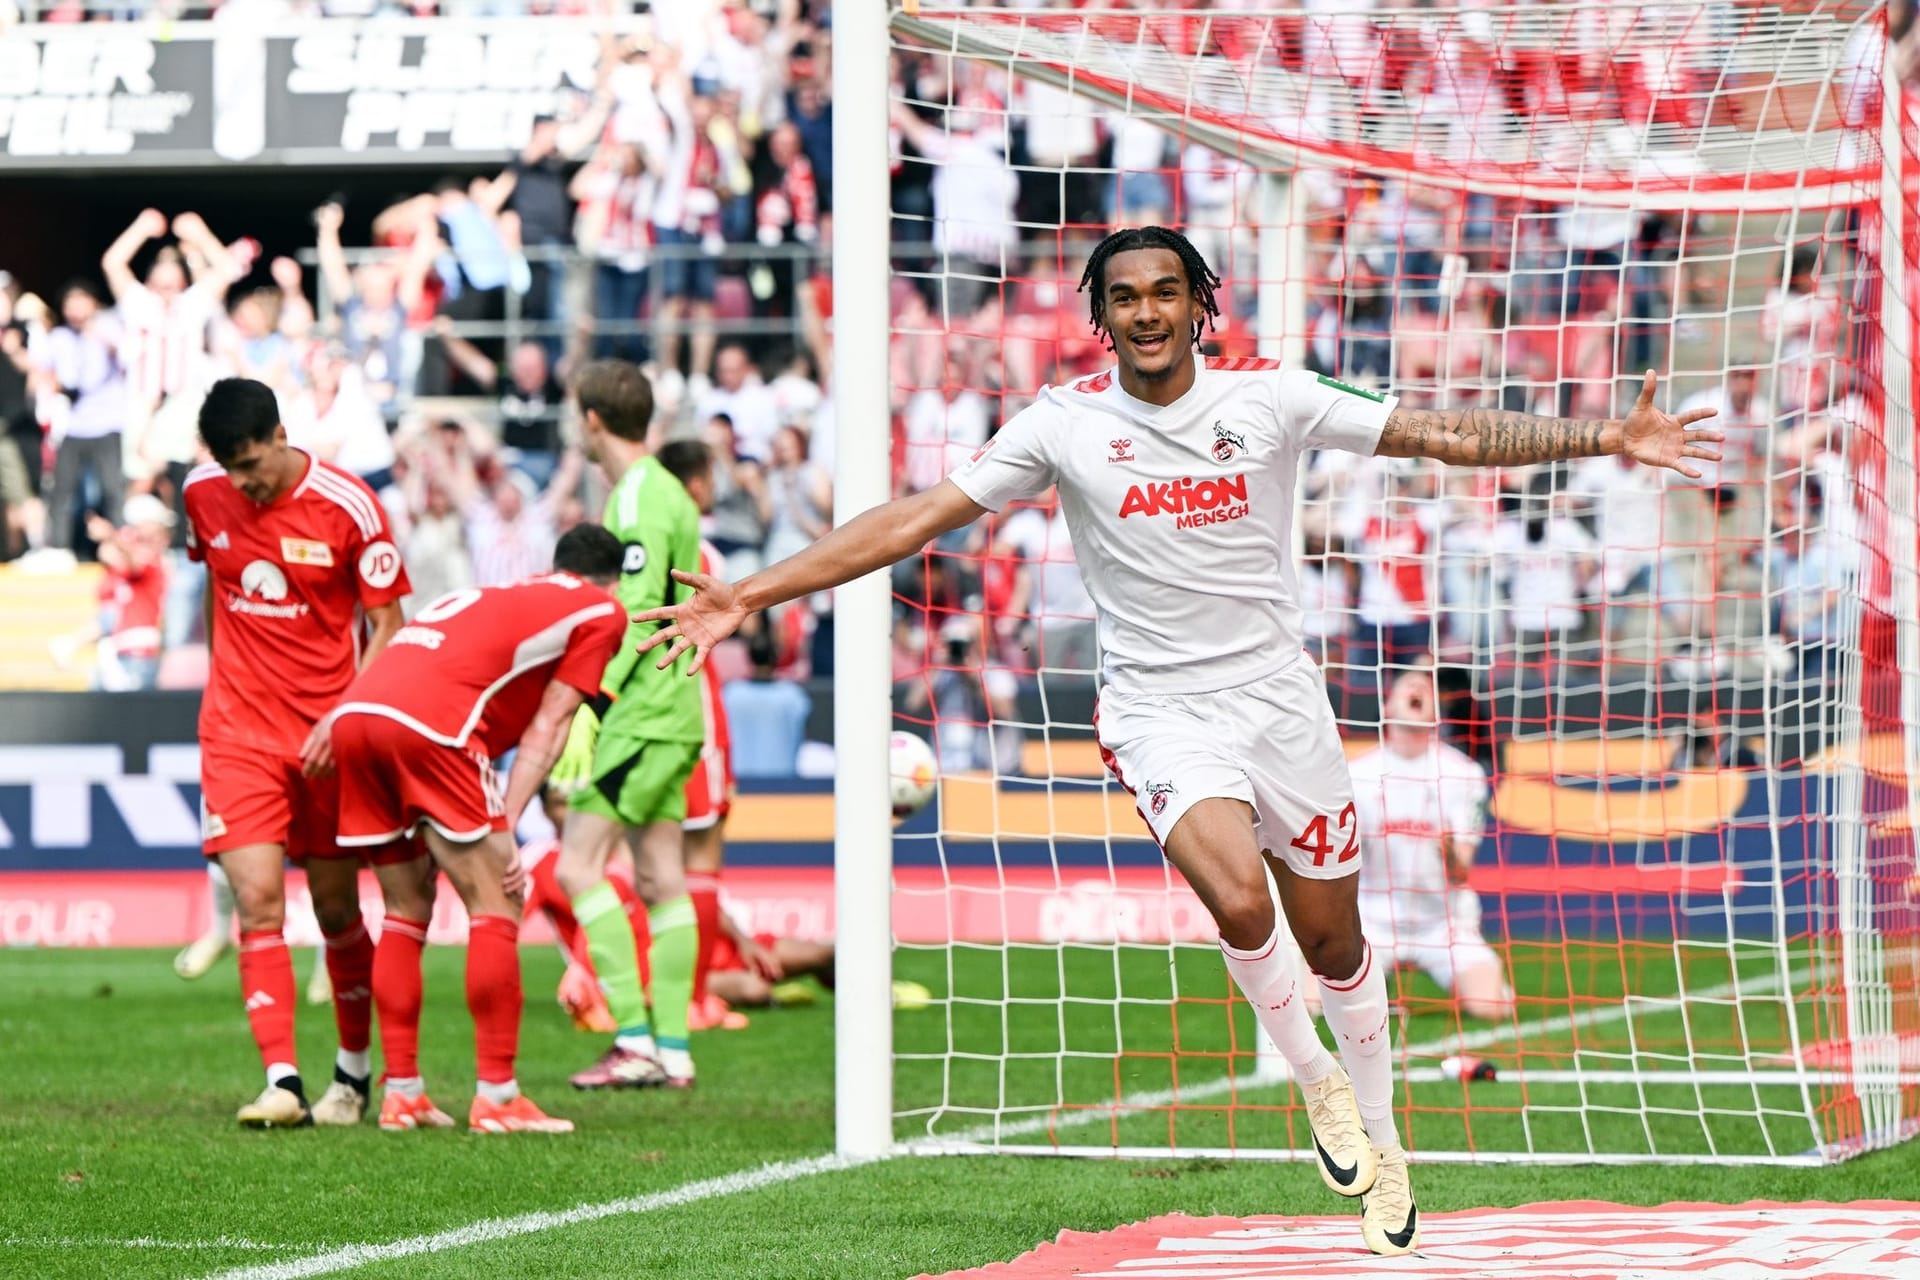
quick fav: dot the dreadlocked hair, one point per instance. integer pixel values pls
(1200, 277)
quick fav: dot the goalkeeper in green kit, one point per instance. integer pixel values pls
(632, 749)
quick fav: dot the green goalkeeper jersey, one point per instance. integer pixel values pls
(659, 527)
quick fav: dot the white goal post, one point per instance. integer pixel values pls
(1698, 871)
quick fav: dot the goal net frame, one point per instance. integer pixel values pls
(1783, 163)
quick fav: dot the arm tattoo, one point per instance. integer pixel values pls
(1489, 437)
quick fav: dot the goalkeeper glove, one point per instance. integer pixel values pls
(574, 769)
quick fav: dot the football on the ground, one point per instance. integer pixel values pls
(915, 773)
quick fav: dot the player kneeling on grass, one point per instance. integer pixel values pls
(1422, 805)
(1177, 476)
(476, 673)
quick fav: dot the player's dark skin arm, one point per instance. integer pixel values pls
(1499, 438)
(872, 540)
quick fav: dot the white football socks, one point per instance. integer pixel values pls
(1356, 1008)
(1267, 977)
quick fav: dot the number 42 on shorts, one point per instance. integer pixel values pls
(1315, 839)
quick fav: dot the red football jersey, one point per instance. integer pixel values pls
(286, 580)
(718, 739)
(136, 601)
(472, 665)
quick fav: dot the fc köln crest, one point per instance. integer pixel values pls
(1226, 445)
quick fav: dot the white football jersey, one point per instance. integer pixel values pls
(1182, 516)
(1406, 804)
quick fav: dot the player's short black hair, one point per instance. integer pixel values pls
(588, 551)
(620, 394)
(236, 413)
(1200, 277)
(686, 459)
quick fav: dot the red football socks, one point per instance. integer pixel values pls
(705, 891)
(397, 993)
(350, 965)
(267, 987)
(493, 995)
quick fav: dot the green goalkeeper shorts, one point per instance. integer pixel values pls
(639, 782)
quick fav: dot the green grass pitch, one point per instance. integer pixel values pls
(120, 1157)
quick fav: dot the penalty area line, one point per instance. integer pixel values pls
(351, 1256)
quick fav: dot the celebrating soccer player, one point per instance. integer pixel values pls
(474, 674)
(1421, 806)
(627, 769)
(293, 547)
(1209, 712)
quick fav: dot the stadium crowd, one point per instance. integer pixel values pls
(680, 215)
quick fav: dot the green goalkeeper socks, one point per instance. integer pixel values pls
(603, 917)
(670, 962)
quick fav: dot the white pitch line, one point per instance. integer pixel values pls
(489, 1229)
(238, 1243)
(1156, 1099)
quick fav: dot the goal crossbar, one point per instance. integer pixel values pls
(1783, 146)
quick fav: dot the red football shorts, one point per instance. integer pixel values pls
(250, 797)
(393, 781)
(709, 790)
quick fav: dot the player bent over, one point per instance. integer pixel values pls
(477, 673)
(294, 549)
(626, 773)
(1422, 805)
(1209, 710)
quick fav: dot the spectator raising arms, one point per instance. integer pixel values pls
(375, 300)
(616, 192)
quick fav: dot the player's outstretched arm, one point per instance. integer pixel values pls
(873, 540)
(1498, 438)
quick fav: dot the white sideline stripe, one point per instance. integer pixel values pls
(351, 1256)
(1155, 1099)
(240, 1243)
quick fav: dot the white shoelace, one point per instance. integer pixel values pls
(1335, 1125)
(1392, 1194)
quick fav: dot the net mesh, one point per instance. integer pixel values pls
(1687, 705)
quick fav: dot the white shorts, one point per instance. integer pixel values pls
(1443, 947)
(1272, 744)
